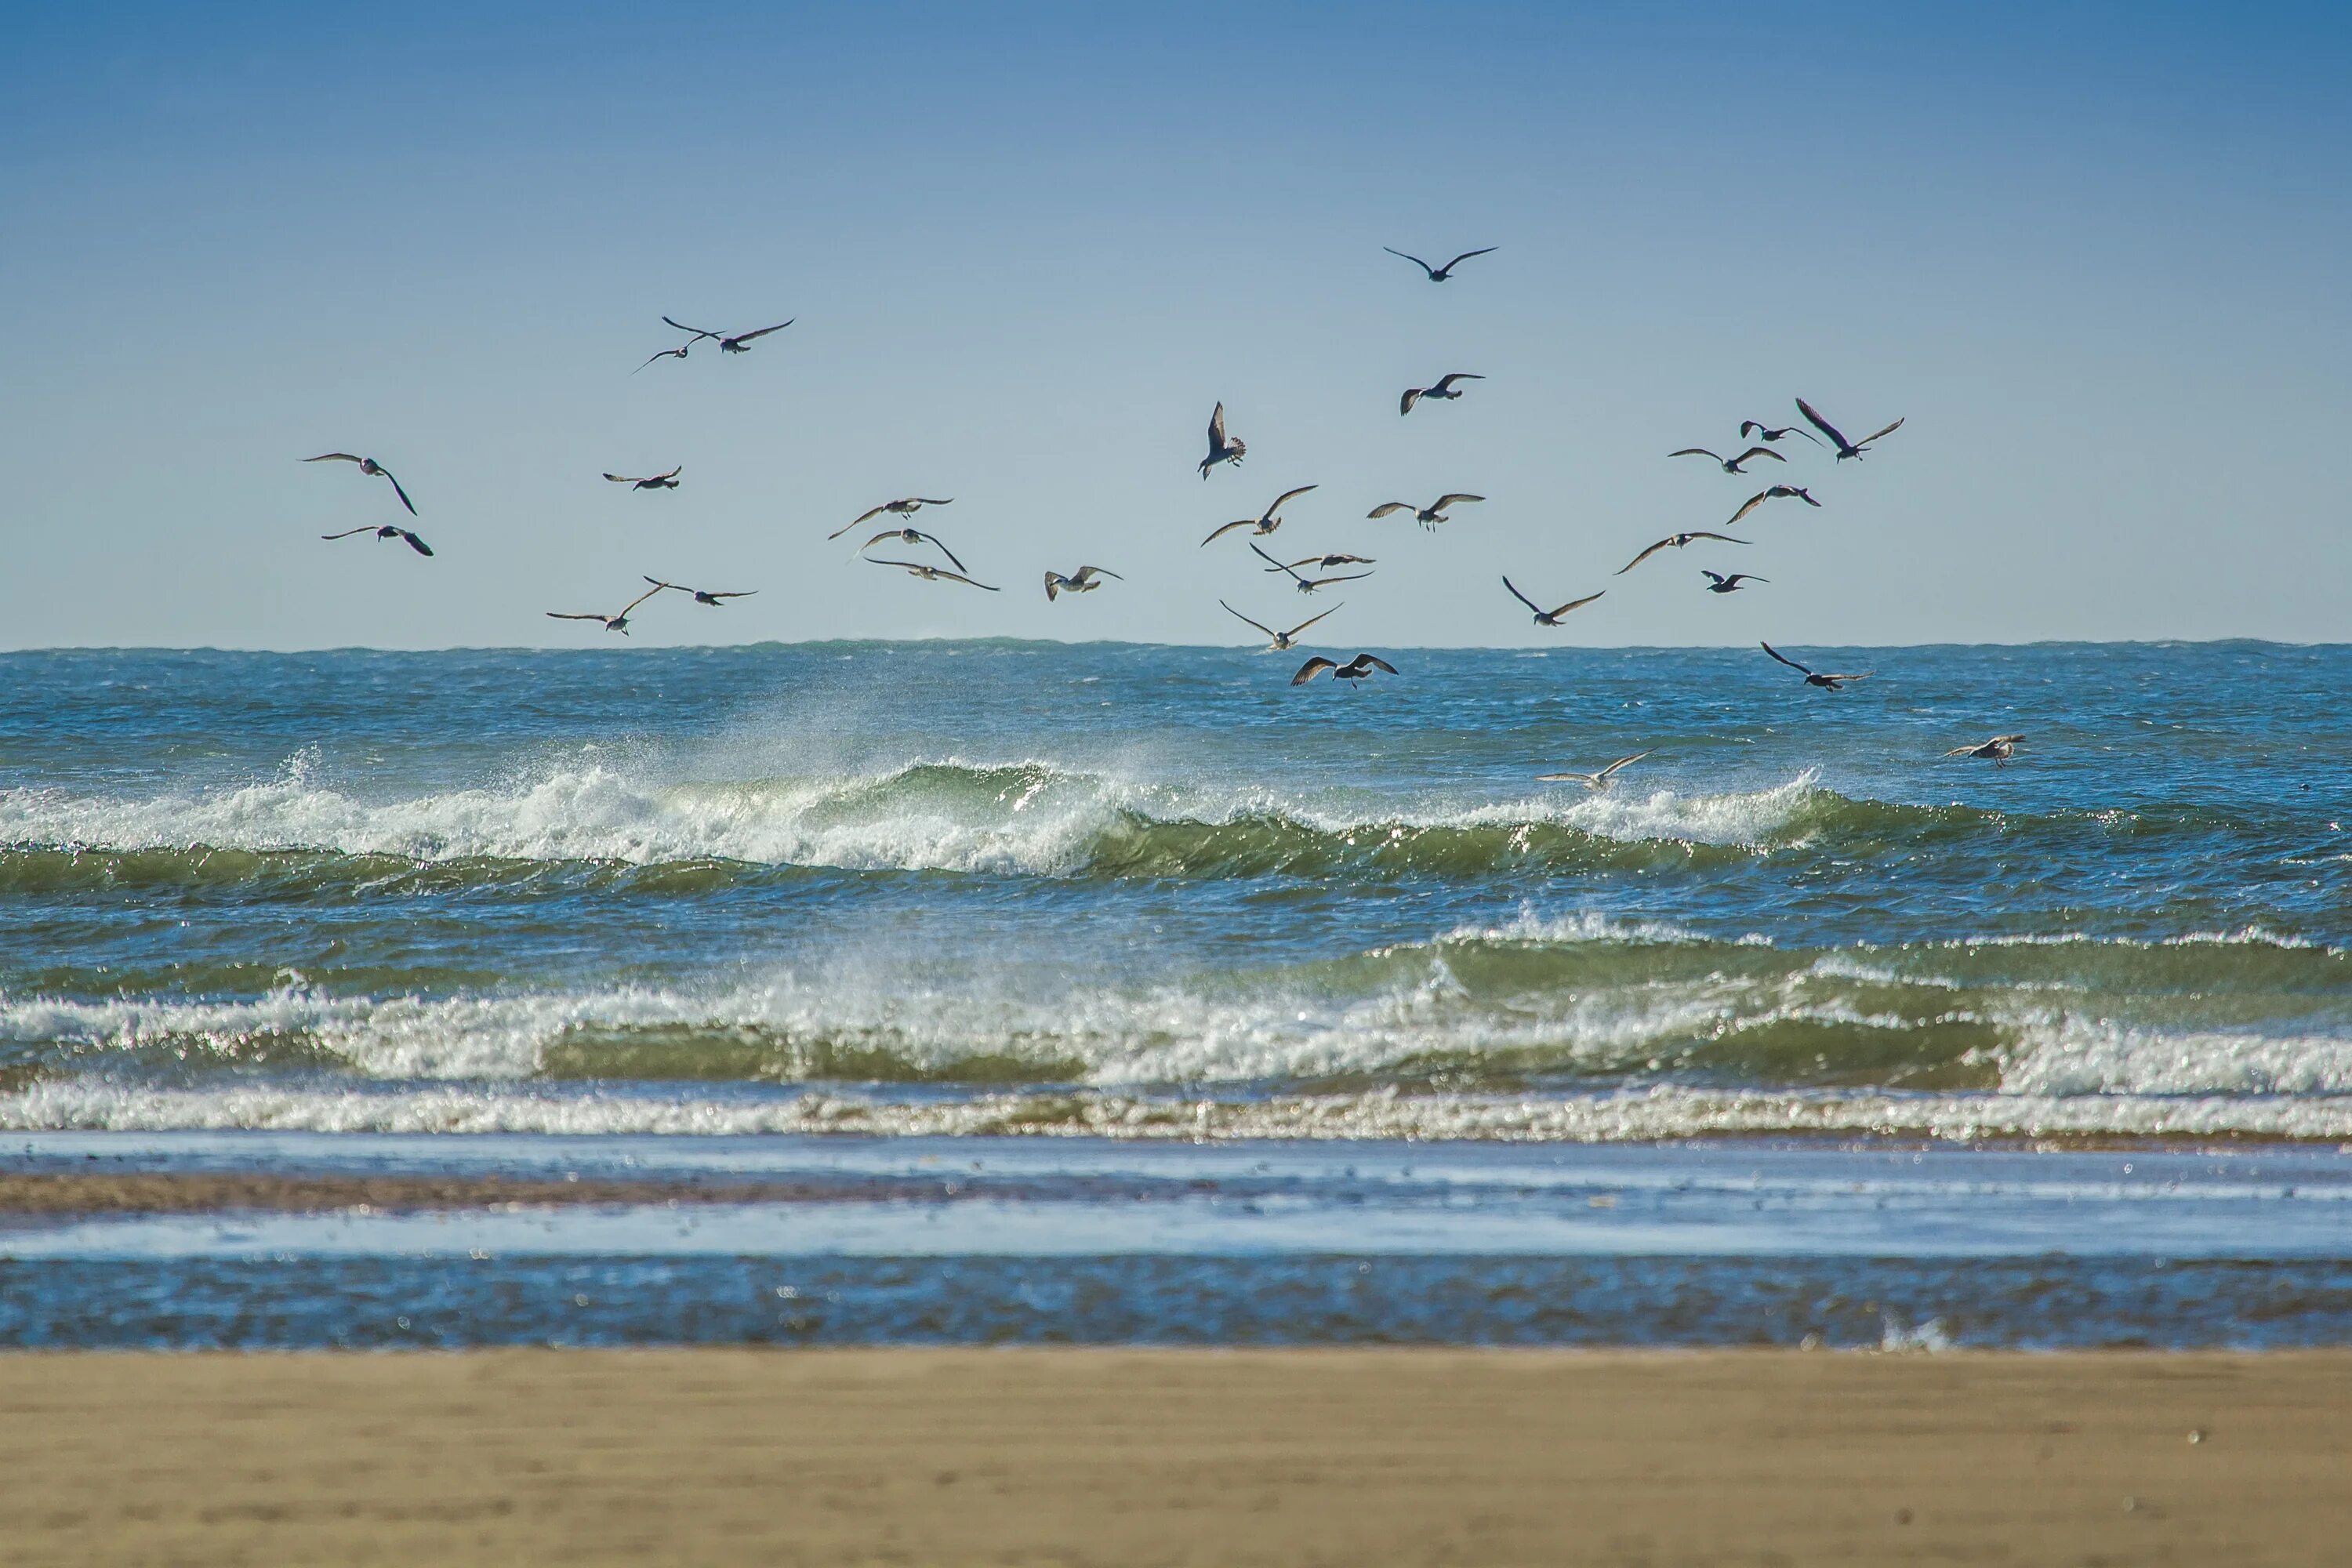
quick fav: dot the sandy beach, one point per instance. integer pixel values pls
(1119, 1456)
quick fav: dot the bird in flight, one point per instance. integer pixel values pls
(1444, 391)
(1549, 617)
(1812, 678)
(1773, 493)
(1440, 274)
(1430, 516)
(1845, 449)
(387, 531)
(728, 342)
(619, 623)
(1309, 584)
(667, 481)
(1674, 542)
(1081, 581)
(1595, 781)
(932, 574)
(1283, 641)
(1998, 751)
(677, 353)
(1222, 449)
(367, 466)
(1723, 584)
(1323, 561)
(912, 536)
(1265, 521)
(1763, 432)
(1354, 671)
(701, 597)
(1730, 465)
(905, 506)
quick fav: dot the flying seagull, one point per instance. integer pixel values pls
(1596, 782)
(619, 623)
(386, 532)
(912, 536)
(367, 466)
(1354, 671)
(1774, 492)
(1763, 432)
(1429, 517)
(1549, 617)
(1845, 449)
(701, 597)
(1081, 581)
(1444, 391)
(932, 574)
(677, 353)
(1723, 584)
(1998, 750)
(1826, 682)
(667, 481)
(1220, 450)
(1730, 465)
(1440, 274)
(1309, 584)
(1265, 521)
(1323, 561)
(730, 342)
(1283, 641)
(1674, 542)
(905, 506)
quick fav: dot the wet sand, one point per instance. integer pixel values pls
(74, 1194)
(1106, 1456)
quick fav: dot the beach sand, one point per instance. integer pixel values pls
(1080, 1456)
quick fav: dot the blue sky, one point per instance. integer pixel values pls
(2094, 254)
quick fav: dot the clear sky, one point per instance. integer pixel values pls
(2096, 255)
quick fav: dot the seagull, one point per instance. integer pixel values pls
(1429, 517)
(1775, 492)
(905, 506)
(1222, 451)
(1082, 581)
(1723, 584)
(667, 481)
(1283, 641)
(367, 466)
(1764, 432)
(1845, 449)
(932, 574)
(619, 623)
(700, 597)
(677, 353)
(1998, 750)
(387, 531)
(1324, 560)
(1730, 465)
(911, 536)
(1265, 521)
(733, 343)
(1674, 542)
(1444, 391)
(1354, 671)
(1595, 781)
(1550, 617)
(1826, 682)
(1440, 274)
(1309, 584)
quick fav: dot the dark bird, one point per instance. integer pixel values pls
(1730, 465)
(1998, 751)
(1845, 449)
(1549, 617)
(1221, 449)
(728, 342)
(1596, 782)
(1444, 391)
(1827, 682)
(913, 536)
(367, 466)
(700, 597)
(1265, 521)
(1323, 561)
(387, 531)
(1674, 542)
(1774, 492)
(677, 353)
(667, 481)
(905, 506)
(1723, 584)
(932, 574)
(1309, 584)
(1081, 581)
(1283, 641)
(1430, 516)
(1354, 671)
(1763, 432)
(619, 623)
(1440, 274)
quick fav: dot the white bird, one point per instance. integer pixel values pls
(387, 531)
(1730, 465)
(905, 506)
(1283, 641)
(1309, 584)
(1356, 670)
(619, 623)
(1081, 581)
(1430, 516)
(702, 596)
(367, 466)
(667, 481)
(1845, 449)
(1220, 450)
(1549, 617)
(913, 536)
(1599, 781)
(1444, 391)
(1998, 750)
(1674, 542)
(1265, 521)
(1440, 274)
(931, 573)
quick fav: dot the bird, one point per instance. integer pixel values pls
(1081, 581)
(677, 353)
(1444, 391)
(1723, 584)
(1730, 465)
(1309, 584)
(700, 597)
(1265, 521)
(1440, 274)
(1221, 449)
(1845, 449)
(1773, 493)
(1998, 750)
(912, 536)
(619, 623)
(1549, 617)
(1764, 432)
(388, 530)
(1323, 561)
(1674, 542)
(1354, 671)
(733, 343)
(1826, 682)
(667, 481)
(932, 574)
(1429, 517)
(1596, 782)
(905, 506)
(367, 466)
(1283, 641)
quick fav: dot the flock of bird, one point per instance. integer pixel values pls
(1307, 574)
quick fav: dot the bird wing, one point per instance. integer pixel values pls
(1621, 763)
(1263, 556)
(1749, 428)
(1054, 581)
(1800, 430)
(698, 334)
(561, 616)
(1317, 665)
(1412, 395)
(932, 500)
(1351, 561)
(397, 490)
(1224, 527)
(1326, 581)
(1703, 533)
(1417, 261)
(1375, 660)
(640, 598)
(1387, 507)
(1466, 255)
(1445, 382)
(942, 548)
(673, 473)
(666, 353)
(866, 516)
(1590, 781)
(1087, 572)
(659, 583)
(363, 528)
(1217, 427)
(1783, 657)
(1758, 452)
(1746, 578)
(1577, 603)
(959, 577)
(1819, 423)
(763, 331)
(1522, 598)
(1286, 497)
(1890, 431)
(620, 479)
(737, 594)
(1301, 626)
(1445, 500)
(336, 457)
(1866, 675)
(1750, 504)
(416, 543)
(1695, 452)
(1260, 625)
(915, 566)
(1968, 750)
(1652, 550)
